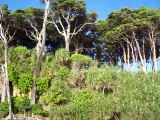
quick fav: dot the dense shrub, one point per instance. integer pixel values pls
(81, 59)
(24, 83)
(62, 73)
(139, 96)
(38, 110)
(42, 84)
(21, 104)
(85, 105)
(134, 95)
(89, 92)
(61, 56)
(3, 109)
(58, 94)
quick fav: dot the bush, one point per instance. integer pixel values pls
(58, 94)
(19, 54)
(37, 110)
(21, 104)
(3, 109)
(62, 73)
(85, 105)
(24, 83)
(103, 74)
(42, 84)
(102, 79)
(135, 96)
(139, 96)
(80, 59)
(61, 56)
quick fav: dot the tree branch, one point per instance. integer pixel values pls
(79, 28)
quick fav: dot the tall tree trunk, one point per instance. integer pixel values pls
(133, 57)
(115, 56)
(3, 84)
(152, 38)
(4, 93)
(67, 44)
(154, 58)
(141, 57)
(122, 63)
(35, 75)
(123, 59)
(10, 116)
(40, 52)
(128, 58)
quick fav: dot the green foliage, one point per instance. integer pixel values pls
(134, 95)
(104, 74)
(78, 6)
(58, 94)
(81, 59)
(42, 84)
(140, 95)
(61, 56)
(21, 104)
(13, 75)
(19, 54)
(24, 83)
(85, 105)
(3, 109)
(20, 68)
(62, 73)
(38, 110)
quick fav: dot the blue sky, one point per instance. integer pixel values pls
(102, 7)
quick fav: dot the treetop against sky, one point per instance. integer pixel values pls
(102, 7)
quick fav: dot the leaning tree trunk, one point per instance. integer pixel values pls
(10, 116)
(40, 51)
(143, 62)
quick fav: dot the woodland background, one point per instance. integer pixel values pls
(62, 63)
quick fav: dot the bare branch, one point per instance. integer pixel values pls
(11, 36)
(33, 36)
(35, 29)
(64, 31)
(79, 28)
(56, 27)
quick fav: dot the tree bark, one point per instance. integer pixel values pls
(154, 58)
(141, 57)
(128, 58)
(10, 116)
(152, 38)
(67, 44)
(3, 84)
(4, 93)
(40, 52)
